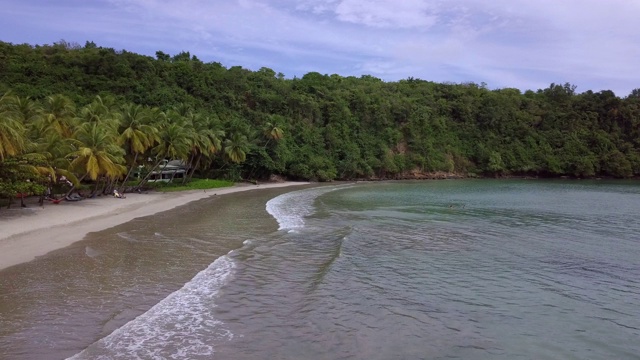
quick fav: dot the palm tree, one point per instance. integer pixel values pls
(105, 115)
(107, 103)
(97, 153)
(236, 147)
(136, 134)
(44, 152)
(28, 111)
(98, 112)
(58, 115)
(54, 150)
(12, 131)
(205, 141)
(182, 110)
(174, 143)
(157, 120)
(272, 132)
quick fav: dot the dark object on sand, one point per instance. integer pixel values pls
(73, 197)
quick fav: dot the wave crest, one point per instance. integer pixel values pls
(291, 208)
(180, 326)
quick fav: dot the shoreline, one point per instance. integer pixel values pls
(27, 233)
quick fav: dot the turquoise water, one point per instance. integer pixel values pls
(435, 270)
(465, 269)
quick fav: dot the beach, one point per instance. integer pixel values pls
(26, 233)
(376, 270)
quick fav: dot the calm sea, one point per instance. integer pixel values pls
(464, 269)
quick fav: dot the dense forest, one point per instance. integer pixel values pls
(93, 114)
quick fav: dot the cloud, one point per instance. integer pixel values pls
(505, 43)
(379, 13)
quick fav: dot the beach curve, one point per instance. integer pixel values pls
(28, 233)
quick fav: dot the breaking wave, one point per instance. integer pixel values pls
(180, 326)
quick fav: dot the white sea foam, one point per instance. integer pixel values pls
(291, 208)
(181, 326)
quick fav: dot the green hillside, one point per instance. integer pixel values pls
(239, 124)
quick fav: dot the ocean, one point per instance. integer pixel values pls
(459, 269)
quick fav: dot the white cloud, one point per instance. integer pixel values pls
(506, 43)
(386, 14)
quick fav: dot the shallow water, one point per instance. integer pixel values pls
(404, 270)
(58, 304)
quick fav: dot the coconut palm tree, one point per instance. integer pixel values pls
(97, 153)
(28, 111)
(58, 115)
(174, 141)
(182, 110)
(157, 120)
(272, 132)
(205, 141)
(236, 147)
(98, 112)
(54, 150)
(12, 131)
(32, 166)
(260, 156)
(136, 134)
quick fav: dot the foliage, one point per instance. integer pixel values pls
(100, 116)
(20, 176)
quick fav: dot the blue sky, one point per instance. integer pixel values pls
(593, 44)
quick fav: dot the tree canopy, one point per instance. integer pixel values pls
(116, 110)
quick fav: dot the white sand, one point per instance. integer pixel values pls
(26, 233)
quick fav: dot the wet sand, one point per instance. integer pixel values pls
(26, 233)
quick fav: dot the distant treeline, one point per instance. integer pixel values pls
(322, 127)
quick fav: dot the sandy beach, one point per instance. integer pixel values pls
(26, 233)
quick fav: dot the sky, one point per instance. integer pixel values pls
(592, 44)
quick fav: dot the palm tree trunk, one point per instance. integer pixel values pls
(133, 163)
(110, 185)
(144, 180)
(73, 187)
(95, 189)
(184, 179)
(195, 167)
(162, 170)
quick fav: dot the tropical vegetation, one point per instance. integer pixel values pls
(100, 118)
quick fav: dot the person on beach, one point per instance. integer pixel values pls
(116, 194)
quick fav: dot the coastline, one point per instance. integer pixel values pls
(35, 231)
